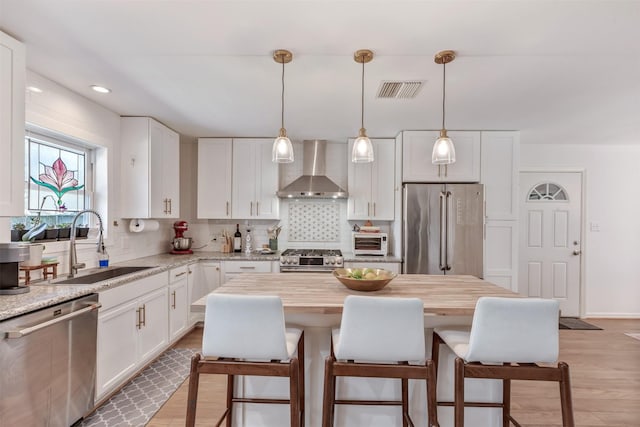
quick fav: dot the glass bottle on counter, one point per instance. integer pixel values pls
(237, 240)
(248, 244)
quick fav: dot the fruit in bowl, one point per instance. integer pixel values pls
(364, 279)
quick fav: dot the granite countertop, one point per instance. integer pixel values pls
(43, 294)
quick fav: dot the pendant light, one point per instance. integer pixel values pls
(444, 153)
(282, 151)
(362, 147)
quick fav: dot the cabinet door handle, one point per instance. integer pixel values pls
(250, 208)
(257, 208)
(439, 171)
(170, 207)
(247, 268)
(139, 320)
(144, 314)
(368, 208)
(165, 205)
(446, 170)
(180, 274)
(227, 208)
(173, 305)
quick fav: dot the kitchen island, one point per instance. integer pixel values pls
(314, 301)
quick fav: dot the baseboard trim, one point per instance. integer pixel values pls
(611, 316)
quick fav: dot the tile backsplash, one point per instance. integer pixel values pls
(314, 222)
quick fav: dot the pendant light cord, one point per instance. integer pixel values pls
(282, 101)
(444, 84)
(362, 96)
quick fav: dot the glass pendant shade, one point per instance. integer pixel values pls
(444, 153)
(362, 146)
(362, 149)
(282, 149)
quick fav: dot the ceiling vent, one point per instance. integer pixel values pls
(400, 90)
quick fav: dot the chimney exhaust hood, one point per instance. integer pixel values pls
(313, 184)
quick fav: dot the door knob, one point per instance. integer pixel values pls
(577, 252)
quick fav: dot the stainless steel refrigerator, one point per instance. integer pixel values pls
(443, 228)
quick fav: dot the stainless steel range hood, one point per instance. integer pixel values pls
(313, 184)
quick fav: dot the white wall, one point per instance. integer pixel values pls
(611, 255)
(63, 111)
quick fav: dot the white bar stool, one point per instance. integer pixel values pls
(507, 339)
(387, 333)
(246, 335)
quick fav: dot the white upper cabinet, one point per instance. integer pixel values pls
(416, 157)
(12, 88)
(150, 169)
(255, 180)
(371, 185)
(500, 165)
(214, 178)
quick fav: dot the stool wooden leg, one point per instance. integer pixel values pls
(230, 393)
(432, 402)
(459, 393)
(405, 401)
(565, 396)
(294, 396)
(192, 398)
(435, 350)
(301, 390)
(506, 402)
(329, 393)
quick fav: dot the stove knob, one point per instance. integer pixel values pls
(332, 261)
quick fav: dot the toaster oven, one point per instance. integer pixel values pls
(370, 243)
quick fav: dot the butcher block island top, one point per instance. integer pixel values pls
(322, 293)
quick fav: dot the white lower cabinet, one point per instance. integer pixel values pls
(204, 277)
(232, 268)
(501, 254)
(178, 302)
(394, 267)
(132, 329)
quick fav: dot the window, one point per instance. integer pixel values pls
(547, 191)
(57, 183)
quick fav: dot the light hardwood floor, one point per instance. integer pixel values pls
(605, 375)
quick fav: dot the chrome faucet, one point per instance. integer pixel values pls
(74, 265)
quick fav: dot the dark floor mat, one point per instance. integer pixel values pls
(572, 323)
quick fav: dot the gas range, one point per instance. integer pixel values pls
(310, 260)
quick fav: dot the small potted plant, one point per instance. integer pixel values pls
(64, 230)
(51, 233)
(82, 230)
(17, 231)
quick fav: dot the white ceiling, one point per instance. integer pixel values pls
(559, 71)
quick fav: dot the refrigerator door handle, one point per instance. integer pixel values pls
(443, 231)
(447, 244)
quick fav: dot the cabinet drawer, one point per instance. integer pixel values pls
(178, 273)
(247, 267)
(115, 296)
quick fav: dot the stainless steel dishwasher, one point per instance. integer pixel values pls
(48, 364)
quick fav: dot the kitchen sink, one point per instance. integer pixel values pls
(100, 276)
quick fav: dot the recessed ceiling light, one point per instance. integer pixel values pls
(100, 89)
(34, 89)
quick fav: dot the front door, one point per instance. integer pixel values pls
(550, 237)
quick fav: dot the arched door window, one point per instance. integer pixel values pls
(547, 191)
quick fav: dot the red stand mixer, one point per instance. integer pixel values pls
(181, 245)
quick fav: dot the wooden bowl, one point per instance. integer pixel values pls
(365, 285)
